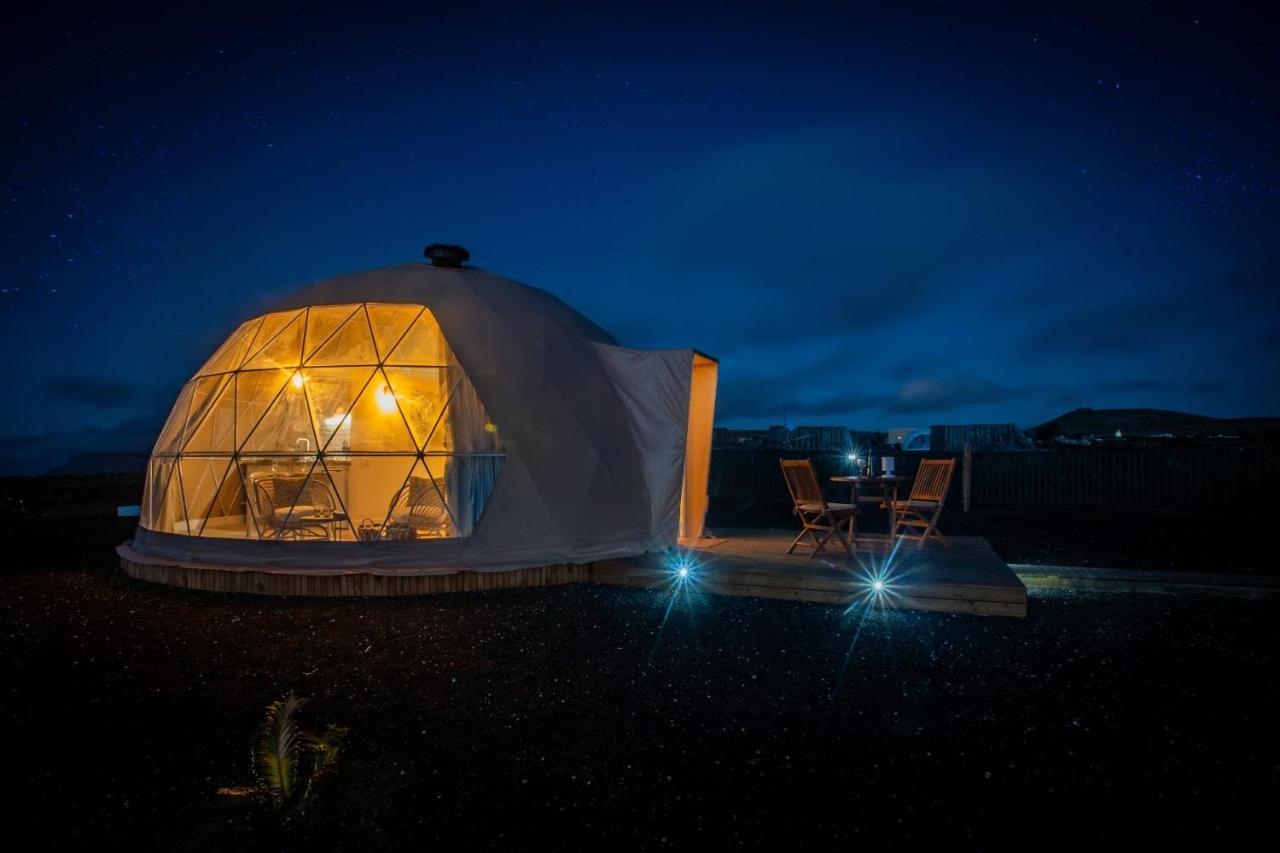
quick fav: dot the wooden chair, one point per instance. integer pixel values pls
(928, 494)
(816, 515)
(418, 504)
(281, 502)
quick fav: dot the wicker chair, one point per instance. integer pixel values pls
(816, 515)
(928, 494)
(281, 502)
(420, 505)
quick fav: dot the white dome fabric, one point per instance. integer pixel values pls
(592, 437)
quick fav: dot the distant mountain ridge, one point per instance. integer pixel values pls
(104, 462)
(1101, 423)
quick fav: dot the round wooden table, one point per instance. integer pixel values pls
(888, 493)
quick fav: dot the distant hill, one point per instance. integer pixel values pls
(1134, 423)
(104, 462)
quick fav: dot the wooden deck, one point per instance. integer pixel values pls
(333, 583)
(968, 577)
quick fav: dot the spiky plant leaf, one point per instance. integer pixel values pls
(277, 751)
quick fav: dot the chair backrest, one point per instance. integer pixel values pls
(420, 497)
(933, 478)
(269, 494)
(261, 497)
(802, 482)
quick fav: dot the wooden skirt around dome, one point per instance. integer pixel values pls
(334, 584)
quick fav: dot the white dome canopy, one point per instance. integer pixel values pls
(498, 428)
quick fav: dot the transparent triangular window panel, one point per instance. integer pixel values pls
(284, 350)
(420, 508)
(232, 352)
(175, 505)
(365, 486)
(423, 344)
(212, 419)
(153, 504)
(323, 322)
(422, 394)
(331, 393)
(286, 425)
(170, 440)
(269, 328)
(375, 423)
(390, 322)
(256, 390)
(227, 516)
(352, 344)
(201, 479)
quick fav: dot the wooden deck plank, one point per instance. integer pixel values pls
(968, 577)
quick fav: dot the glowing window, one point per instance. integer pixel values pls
(334, 422)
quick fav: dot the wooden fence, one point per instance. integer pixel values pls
(747, 486)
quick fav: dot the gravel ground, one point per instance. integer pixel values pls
(579, 715)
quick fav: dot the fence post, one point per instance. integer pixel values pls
(965, 474)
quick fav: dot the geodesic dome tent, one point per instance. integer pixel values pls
(428, 417)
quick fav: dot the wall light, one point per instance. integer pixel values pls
(386, 400)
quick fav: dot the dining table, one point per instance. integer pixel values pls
(888, 485)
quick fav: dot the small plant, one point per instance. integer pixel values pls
(288, 761)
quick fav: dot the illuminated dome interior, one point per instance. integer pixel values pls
(330, 422)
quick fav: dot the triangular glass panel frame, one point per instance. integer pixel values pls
(284, 350)
(202, 477)
(423, 345)
(256, 390)
(350, 345)
(230, 500)
(157, 484)
(322, 322)
(389, 323)
(332, 393)
(175, 501)
(377, 423)
(285, 427)
(423, 395)
(211, 423)
(318, 493)
(422, 505)
(229, 356)
(170, 440)
(272, 324)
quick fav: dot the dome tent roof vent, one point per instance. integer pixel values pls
(446, 255)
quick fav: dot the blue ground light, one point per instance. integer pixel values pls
(682, 587)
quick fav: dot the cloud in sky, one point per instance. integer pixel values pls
(96, 391)
(35, 453)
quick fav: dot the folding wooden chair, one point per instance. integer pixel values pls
(928, 494)
(816, 515)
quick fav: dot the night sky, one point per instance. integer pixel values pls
(874, 216)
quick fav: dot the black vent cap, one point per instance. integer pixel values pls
(446, 255)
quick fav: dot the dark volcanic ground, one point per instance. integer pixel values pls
(573, 714)
(588, 715)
